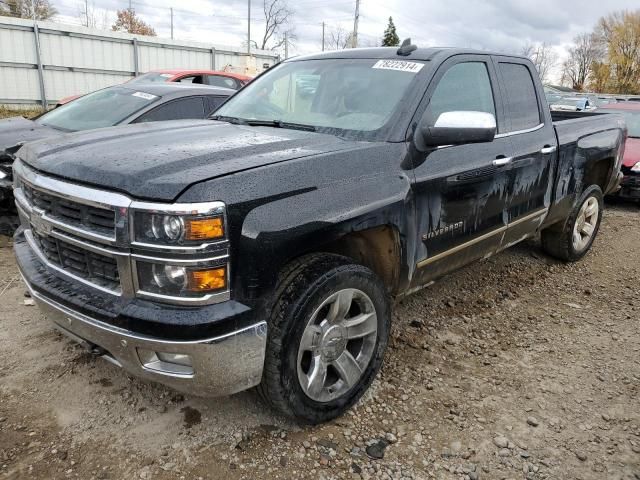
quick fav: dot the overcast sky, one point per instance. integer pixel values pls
(502, 25)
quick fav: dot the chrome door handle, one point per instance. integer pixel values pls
(546, 150)
(498, 162)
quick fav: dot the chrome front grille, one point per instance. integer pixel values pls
(100, 220)
(85, 235)
(93, 267)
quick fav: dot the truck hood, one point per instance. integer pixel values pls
(158, 161)
(18, 130)
(631, 152)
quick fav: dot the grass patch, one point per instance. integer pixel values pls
(23, 112)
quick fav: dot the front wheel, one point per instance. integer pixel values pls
(574, 238)
(327, 335)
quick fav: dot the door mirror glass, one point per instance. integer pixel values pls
(456, 128)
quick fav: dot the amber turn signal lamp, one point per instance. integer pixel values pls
(204, 228)
(207, 280)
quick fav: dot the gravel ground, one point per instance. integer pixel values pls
(516, 367)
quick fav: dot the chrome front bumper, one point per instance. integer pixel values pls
(214, 367)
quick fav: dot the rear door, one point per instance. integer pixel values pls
(461, 191)
(534, 144)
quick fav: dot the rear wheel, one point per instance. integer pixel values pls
(572, 240)
(327, 335)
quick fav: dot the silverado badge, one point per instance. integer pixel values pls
(441, 231)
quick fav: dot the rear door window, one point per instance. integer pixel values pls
(213, 103)
(221, 81)
(464, 87)
(521, 100)
(197, 79)
(183, 108)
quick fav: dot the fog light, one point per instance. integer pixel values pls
(166, 363)
(177, 358)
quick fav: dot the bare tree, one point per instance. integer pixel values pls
(577, 68)
(543, 57)
(44, 10)
(338, 39)
(277, 16)
(93, 17)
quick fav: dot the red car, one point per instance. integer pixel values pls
(631, 162)
(214, 78)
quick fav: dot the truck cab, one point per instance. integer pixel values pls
(264, 247)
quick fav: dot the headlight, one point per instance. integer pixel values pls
(636, 168)
(170, 229)
(189, 263)
(180, 281)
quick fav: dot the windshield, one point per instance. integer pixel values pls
(152, 77)
(103, 108)
(345, 94)
(632, 120)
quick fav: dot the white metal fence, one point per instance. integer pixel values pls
(44, 63)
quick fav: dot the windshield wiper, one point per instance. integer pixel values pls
(281, 124)
(263, 123)
(224, 118)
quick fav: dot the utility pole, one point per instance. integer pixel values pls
(86, 12)
(130, 5)
(354, 38)
(249, 27)
(323, 36)
(171, 8)
(286, 45)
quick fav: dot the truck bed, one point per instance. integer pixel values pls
(584, 139)
(559, 115)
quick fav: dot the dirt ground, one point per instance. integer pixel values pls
(516, 367)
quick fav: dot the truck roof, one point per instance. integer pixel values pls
(391, 53)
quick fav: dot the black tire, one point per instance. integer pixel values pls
(557, 240)
(8, 224)
(303, 286)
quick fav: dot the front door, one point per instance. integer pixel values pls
(461, 191)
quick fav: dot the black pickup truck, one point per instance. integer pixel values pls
(263, 247)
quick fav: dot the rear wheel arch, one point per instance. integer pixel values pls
(598, 173)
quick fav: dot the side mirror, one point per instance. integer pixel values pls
(455, 128)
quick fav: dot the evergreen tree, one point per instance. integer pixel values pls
(390, 38)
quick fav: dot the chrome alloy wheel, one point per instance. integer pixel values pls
(337, 345)
(586, 223)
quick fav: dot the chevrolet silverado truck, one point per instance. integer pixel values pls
(263, 247)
